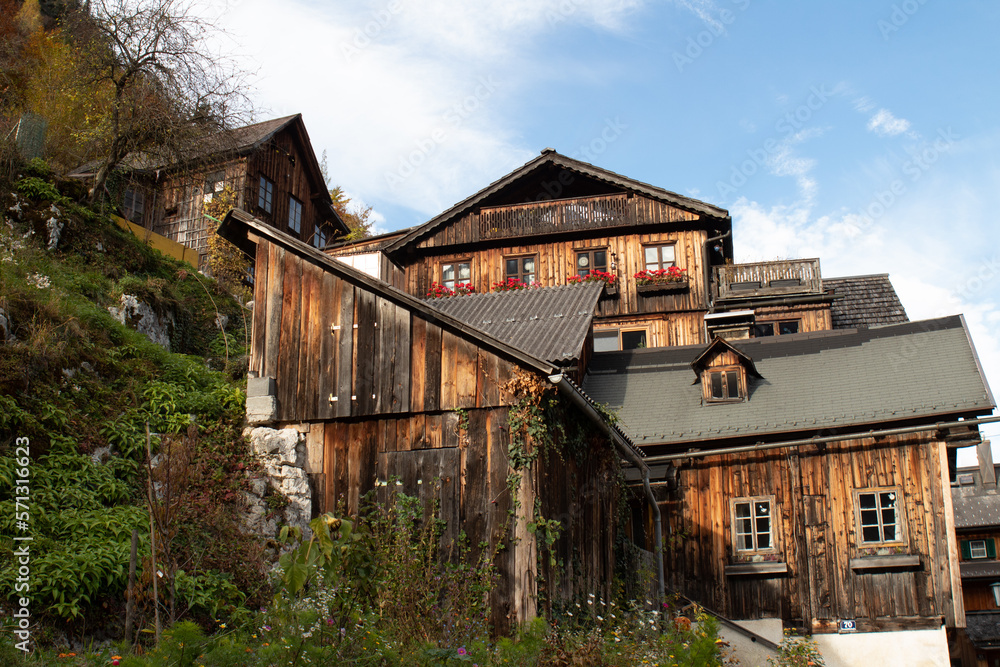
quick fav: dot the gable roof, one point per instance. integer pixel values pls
(243, 230)
(550, 157)
(550, 323)
(847, 379)
(865, 301)
(718, 345)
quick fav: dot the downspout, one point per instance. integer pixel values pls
(628, 453)
(708, 268)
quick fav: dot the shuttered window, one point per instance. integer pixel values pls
(974, 549)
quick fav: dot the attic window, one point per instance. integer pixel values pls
(724, 384)
(265, 195)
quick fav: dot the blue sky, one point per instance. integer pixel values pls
(863, 133)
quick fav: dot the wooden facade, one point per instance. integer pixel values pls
(817, 570)
(393, 390)
(279, 152)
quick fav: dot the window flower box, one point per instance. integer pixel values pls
(760, 569)
(439, 291)
(610, 281)
(656, 288)
(672, 279)
(881, 563)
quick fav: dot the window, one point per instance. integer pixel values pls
(762, 329)
(973, 549)
(610, 340)
(295, 215)
(133, 204)
(659, 257)
(591, 260)
(752, 524)
(265, 194)
(319, 237)
(878, 516)
(520, 268)
(456, 273)
(724, 384)
(214, 183)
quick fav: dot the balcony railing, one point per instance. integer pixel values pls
(556, 216)
(794, 276)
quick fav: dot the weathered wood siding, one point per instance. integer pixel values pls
(557, 261)
(322, 338)
(811, 317)
(538, 218)
(815, 531)
(662, 330)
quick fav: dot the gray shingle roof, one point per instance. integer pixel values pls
(983, 629)
(811, 381)
(550, 323)
(980, 570)
(979, 511)
(868, 301)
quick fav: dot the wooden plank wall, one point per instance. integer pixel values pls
(684, 328)
(379, 360)
(183, 195)
(811, 317)
(816, 534)
(557, 261)
(283, 161)
(467, 228)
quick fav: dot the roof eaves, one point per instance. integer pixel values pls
(680, 201)
(229, 229)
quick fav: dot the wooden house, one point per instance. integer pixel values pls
(804, 478)
(389, 389)
(270, 167)
(977, 522)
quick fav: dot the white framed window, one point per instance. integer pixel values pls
(879, 519)
(753, 526)
(456, 273)
(659, 257)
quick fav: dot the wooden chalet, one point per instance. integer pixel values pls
(387, 387)
(977, 522)
(804, 478)
(270, 167)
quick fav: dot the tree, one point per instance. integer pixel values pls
(357, 218)
(167, 89)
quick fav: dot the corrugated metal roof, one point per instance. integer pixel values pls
(868, 301)
(550, 323)
(810, 381)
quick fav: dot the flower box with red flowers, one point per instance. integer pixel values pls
(671, 279)
(610, 281)
(512, 284)
(439, 291)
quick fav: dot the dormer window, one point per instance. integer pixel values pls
(723, 371)
(725, 384)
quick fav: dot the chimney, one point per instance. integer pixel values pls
(987, 473)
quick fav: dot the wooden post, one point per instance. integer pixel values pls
(152, 534)
(130, 606)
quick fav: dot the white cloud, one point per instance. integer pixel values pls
(408, 98)
(885, 124)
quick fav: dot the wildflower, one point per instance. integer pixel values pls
(267, 628)
(461, 651)
(222, 626)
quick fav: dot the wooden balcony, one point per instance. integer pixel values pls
(561, 215)
(743, 281)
